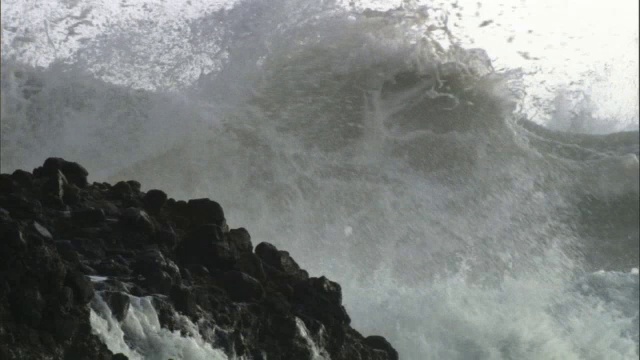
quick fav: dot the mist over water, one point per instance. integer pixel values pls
(374, 149)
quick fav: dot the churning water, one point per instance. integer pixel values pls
(464, 217)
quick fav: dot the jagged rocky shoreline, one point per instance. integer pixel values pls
(59, 232)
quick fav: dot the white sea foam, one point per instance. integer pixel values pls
(140, 336)
(524, 318)
(317, 353)
(454, 234)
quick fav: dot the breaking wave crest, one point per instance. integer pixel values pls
(381, 154)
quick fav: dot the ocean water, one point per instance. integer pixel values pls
(140, 336)
(471, 207)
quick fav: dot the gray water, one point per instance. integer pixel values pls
(403, 169)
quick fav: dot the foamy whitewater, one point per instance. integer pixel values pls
(470, 210)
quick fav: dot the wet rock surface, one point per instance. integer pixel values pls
(57, 229)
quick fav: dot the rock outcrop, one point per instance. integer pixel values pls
(56, 230)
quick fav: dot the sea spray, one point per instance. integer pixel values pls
(471, 226)
(140, 336)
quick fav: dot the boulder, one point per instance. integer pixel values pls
(66, 299)
(11, 240)
(28, 304)
(71, 194)
(81, 285)
(7, 185)
(242, 287)
(121, 190)
(135, 185)
(65, 326)
(5, 216)
(73, 172)
(167, 238)
(184, 301)
(111, 267)
(160, 273)
(205, 211)
(380, 343)
(205, 234)
(321, 299)
(137, 220)
(22, 178)
(88, 217)
(21, 206)
(41, 231)
(66, 250)
(240, 240)
(54, 185)
(118, 303)
(327, 289)
(207, 245)
(252, 265)
(154, 200)
(280, 260)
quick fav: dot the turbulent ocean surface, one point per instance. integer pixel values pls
(466, 215)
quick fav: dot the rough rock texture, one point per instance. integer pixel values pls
(56, 229)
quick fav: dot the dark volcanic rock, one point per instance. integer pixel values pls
(135, 186)
(205, 211)
(280, 260)
(22, 178)
(74, 172)
(12, 239)
(21, 207)
(81, 285)
(240, 240)
(121, 188)
(89, 217)
(118, 303)
(166, 238)
(208, 245)
(41, 231)
(137, 220)
(378, 342)
(242, 287)
(252, 265)
(71, 194)
(55, 229)
(7, 185)
(54, 185)
(28, 304)
(154, 200)
(160, 274)
(184, 300)
(322, 299)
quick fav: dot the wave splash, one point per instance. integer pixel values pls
(381, 154)
(140, 335)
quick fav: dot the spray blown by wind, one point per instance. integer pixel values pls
(376, 149)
